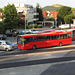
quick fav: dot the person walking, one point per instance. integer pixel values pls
(14, 35)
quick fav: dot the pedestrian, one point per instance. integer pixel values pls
(14, 35)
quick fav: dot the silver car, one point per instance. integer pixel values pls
(6, 45)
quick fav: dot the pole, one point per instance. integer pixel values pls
(55, 17)
(19, 3)
(25, 23)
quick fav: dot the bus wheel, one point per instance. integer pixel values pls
(34, 47)
(60, 44)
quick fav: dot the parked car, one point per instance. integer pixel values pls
(6, 45)
(3, 37)
(28, 31)
(52, 26)
(64, 26)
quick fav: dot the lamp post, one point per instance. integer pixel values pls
(33, 25)
(55, 18)
(19, 3)
(25, 22)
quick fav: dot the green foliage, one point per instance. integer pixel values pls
(63, 12)
(37, 6)
(30, 26)
(39, 10)
(1, 10)
(73, 9)
(2, 29)
(35, 25)
(68, 18)
(10, 16)
(39, 26)
(50, 19)
(50, 8)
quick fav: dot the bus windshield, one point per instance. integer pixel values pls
(19, 41)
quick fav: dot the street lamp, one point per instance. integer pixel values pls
(25, 22)
(55, 18)
(19, 3)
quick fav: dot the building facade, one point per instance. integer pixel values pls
(27, 14)
(30, 14)
(52, 14)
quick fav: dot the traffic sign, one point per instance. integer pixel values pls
(22, 39)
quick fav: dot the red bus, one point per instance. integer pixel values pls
(72, 30)
(73, 33)
(46, 31)
(33, 41)
(42, 31)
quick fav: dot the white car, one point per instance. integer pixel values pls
(6, 45)
(64, 26)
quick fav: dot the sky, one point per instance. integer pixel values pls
(42, 3)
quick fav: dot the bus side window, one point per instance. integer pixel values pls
(40, 38)
(48, 37)
(68, 35)
(74, 32)
(54, 37)
(58, 36)
(51, 37)
(33, 39)
(61, 36)
(65, 36)
(27, 40)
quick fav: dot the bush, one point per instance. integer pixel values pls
(30, 26)
(35, 26)
(39, 26)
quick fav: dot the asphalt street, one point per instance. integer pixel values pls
(43, 61)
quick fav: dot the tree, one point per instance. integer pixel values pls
(39, 10)
(68, 19)
(1, 10)
(73, 9)
(1, 28)
(62, 13)
(10, 17)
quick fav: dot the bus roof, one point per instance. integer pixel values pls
(43, 34)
